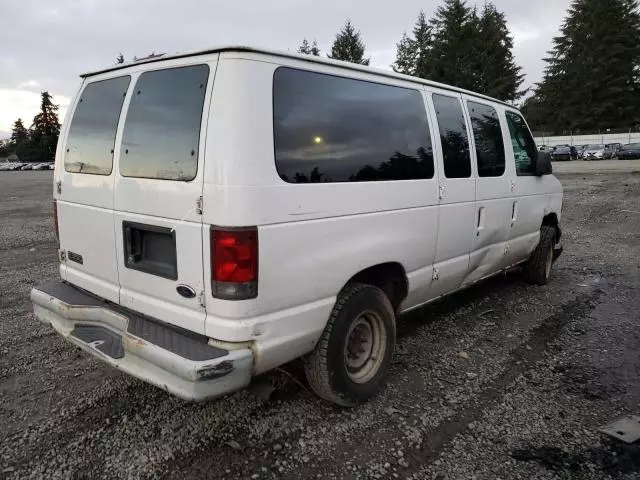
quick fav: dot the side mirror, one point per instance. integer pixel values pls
(543, 164)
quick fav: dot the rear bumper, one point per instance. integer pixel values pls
(176, 360)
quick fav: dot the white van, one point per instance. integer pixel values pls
(224, 212)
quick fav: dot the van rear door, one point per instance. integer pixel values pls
(158, 193)
(84, 181)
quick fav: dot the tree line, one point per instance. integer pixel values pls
(38, 142)
(592, 77)
(591, 80)
(460, 46)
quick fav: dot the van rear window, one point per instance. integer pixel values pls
(92, 133)
(162, 130)
(335, 129)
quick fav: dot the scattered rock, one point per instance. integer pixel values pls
(233, 444)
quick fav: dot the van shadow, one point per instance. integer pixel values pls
(482, 292)
(288, 382)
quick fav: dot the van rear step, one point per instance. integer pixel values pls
(174, 359)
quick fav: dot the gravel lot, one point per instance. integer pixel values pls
(504, 380)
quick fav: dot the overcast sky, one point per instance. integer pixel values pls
(47, 43)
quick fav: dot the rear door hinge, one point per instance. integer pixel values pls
(63, 255)
(59, 187)
(199, 205)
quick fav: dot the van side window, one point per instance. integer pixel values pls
(92, 132)
(488, 139)
(162, 129)
(453, 135)
(334, 129)
(524, 147)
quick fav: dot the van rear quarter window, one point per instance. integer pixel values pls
(90, 143)
(162, 129)
(335, 129)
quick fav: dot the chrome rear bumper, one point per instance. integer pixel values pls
(176, 360)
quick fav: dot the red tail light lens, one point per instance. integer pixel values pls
(234, 263)
(55, 219)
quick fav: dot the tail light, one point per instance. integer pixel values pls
(55, 219)
(234, 263)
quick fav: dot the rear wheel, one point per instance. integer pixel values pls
(538, 268)
(351, 360)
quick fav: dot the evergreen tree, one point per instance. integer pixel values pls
(405, 56)
(454, 39)
(5, 148)
(45, 129)
(592, 78)
(304, 48)
(349, 46)
(19, 133)
(119, 59)
(309, 49)
(495, 71)
(412, 56)
(315, 51)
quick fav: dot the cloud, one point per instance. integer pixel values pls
(47, 44)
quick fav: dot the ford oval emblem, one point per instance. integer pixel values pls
(186, 291)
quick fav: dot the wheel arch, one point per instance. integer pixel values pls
(390, 277)
(551, 220)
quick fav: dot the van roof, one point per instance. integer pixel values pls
(297, 56)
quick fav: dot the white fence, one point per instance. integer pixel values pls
(631, 137)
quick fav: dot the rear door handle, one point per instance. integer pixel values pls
(514, 212)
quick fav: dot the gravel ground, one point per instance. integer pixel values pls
(504, 380)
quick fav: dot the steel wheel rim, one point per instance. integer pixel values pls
(365, 347)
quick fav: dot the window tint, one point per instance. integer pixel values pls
(453, 135)
(333, 129)
(93, 128)
(488, 139)
(524, 147)
(162, 130)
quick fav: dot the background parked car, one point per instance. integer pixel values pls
(42, 166)
(564, 152)
(581, 149)
(614, 147)
(597, 152)
(629, 152)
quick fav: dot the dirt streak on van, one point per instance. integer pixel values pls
(224, 212)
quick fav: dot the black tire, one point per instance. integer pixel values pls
(327, 366)
(538, 269)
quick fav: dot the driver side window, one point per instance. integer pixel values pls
(524, 147)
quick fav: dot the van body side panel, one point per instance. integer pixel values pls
(494, 200)
(534, 198)
(312, 237)
(456, 216)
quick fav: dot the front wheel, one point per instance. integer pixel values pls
(538, 269)
(351, 360)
